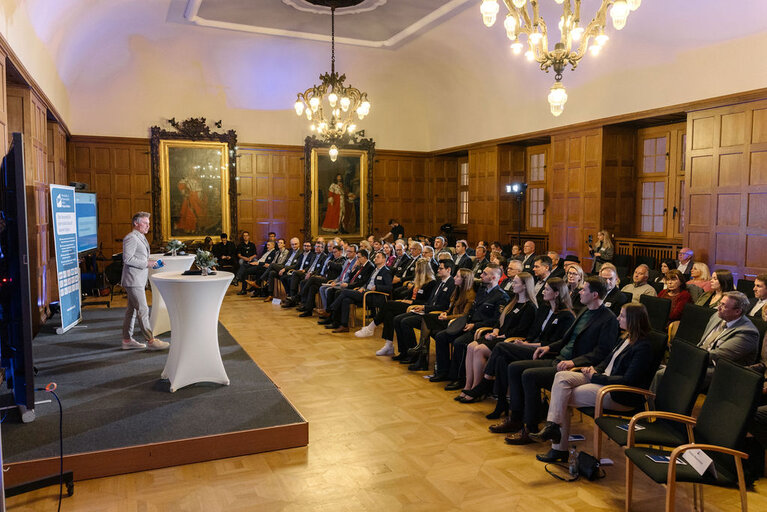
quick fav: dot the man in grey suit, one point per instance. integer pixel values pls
(136, 266)
(728, 335)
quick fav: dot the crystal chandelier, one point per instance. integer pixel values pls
(331, 105)
(575, 39)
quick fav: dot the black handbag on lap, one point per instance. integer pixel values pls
(456, 326)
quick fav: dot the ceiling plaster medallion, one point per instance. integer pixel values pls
(307, 6)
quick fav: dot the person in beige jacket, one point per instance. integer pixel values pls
(136, 266)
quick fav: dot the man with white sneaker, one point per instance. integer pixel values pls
(136, 267)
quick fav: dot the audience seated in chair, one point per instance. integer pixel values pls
(615, 299)
(639, 285)
(677, 293)
(721, 282)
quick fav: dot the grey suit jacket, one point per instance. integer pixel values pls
(738, 343)
(135, 259)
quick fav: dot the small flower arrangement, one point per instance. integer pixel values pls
(174, 246)
(204, 261)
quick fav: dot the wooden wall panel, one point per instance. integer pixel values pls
(402, 191)
(28, 114)
(484, 194)
(443, 177)
(618, 181)
(270, 192)
(577, 167)
(727, 197)
(511, 168)
(118, 170)
(3, 106)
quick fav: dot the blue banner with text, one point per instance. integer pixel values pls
(67, 265)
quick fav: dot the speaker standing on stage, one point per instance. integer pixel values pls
(136, 266)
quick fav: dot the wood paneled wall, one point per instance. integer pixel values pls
(511, 168)
(3, 106)
(402, 190)
(576, 180)
(484, 192)
(618, 180)
(270, 192)
(118, 170)
(727, 183)
(443, 197)
(27, 114)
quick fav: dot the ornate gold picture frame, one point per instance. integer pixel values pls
(339, 198)
(194, 181)
(194, 184)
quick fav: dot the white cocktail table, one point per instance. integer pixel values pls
(193, 303)
(158, 317)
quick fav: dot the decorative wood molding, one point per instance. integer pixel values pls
(192, 129)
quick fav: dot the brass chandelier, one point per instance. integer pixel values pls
(575, 39)
(331, 105)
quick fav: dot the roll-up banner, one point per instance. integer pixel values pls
(67, 265)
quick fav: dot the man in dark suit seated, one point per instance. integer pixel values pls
(542, 273)
(369, 277)
(484, 312)
(300, 264)
(405, 324)
(557, 265)
(528, 256)
(461, 259)
(615, 299)
(587, 342)
(758, 303)
(406, 273)
(329, 272)
(317, 259)
(255, 267)
(480, 262)
(273, 274)
(226, 253)
(729, 334)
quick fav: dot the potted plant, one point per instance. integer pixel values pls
(174, 246)
(204, 261)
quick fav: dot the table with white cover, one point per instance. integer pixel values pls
(158, 317)
(194, 303)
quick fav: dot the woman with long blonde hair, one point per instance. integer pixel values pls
(515, 321)
(423, 284)
(603, 252)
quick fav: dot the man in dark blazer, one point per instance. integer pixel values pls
(406, 272)
(461, 259)
(256, 267)
(685, 262)
(542, 273)
(226, 253)
(528, 256)
(401, 260)
(557, 265)
(373, 277)
(405, 324)
(331, 269)
(615, 298)
(758, 303)
(300, 264)
(484, 312)
(587, 342)
(318, 258)
(276, 266)
(480, 262)
(329, 290)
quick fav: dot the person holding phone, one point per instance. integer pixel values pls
(135, 273)
(603, 252)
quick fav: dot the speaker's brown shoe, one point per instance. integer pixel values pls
(508, 425)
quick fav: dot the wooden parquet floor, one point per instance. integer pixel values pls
(380, 438)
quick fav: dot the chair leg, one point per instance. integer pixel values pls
(597, 441)
(671, 496)
(629, 482)
(741, 485)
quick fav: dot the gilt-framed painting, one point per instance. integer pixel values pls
(193, 182)
(338, 202)
(194, 179)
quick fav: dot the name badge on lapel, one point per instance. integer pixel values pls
(609, 304)
(379, 278)
(555, 321)
(419, 292)
(516, 310)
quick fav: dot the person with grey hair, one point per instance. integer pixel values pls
(639, 285)
(729, 334)
(135, 272)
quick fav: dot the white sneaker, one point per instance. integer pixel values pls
(365, 332)
(157, 344)
(386, 350)
(132, 344)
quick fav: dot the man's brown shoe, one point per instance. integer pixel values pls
(268, 299)
(508, 425)
(341, 329)
(518, 438)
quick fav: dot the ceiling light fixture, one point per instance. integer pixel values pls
(331, 105)
(524, 18)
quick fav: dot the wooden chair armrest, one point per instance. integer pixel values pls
(436, 313)
(679, 450)
(680, 418)
(480, 332)
(411, 307)
(365, 296)
(617, 387)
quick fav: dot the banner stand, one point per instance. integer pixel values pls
(67, 264)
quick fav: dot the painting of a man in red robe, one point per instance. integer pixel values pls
(193, 213)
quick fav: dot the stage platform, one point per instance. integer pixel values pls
(120, 417)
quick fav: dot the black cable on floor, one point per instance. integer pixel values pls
(50, 388)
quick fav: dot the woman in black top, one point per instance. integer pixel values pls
(545, 330)
(515, 320)
(629, 364)
(574, 277)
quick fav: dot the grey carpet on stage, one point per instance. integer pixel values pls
(115, 398)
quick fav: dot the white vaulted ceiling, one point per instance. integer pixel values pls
(116, 67)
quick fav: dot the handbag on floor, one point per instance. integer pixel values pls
(588, 467)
